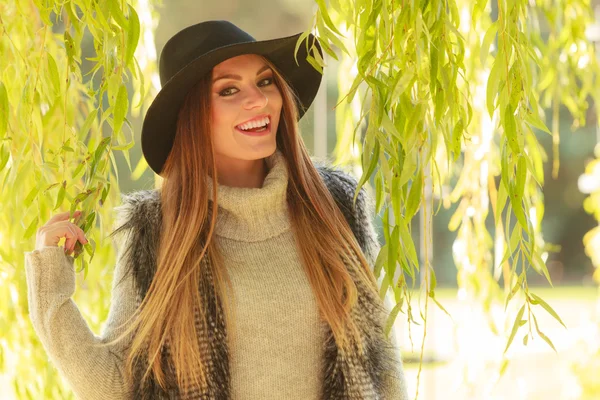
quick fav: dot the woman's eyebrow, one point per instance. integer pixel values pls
(239, 78)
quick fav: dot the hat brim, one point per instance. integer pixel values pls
(160, 121)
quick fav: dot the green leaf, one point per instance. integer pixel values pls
(338, 42)
(124, 147)
(407, 243)
(325, 15)
(121, 107)
(381, 259)
(61, 196)
(534, 119)
(29, 199)
(90, 248)
(405, 81)
(521, 176)
(519, 212)
(515, 288)
(504, 364)
(82, 196)
(500, 202)
(369, 171)
(133, 36)
(440, 306)
(31, 228)
(487, 41)
(456, 218)
(492, 86)
(50, 186)
(327, 48)
(440, 106)
(433, 65)
(89, 220)
(385, 285)
(101, 147)
(318, 58)
(78, 170)
(392, 245)
(432, 283)
(4, 156)
(141, 77)
(44, 12)
(457, 135)
(414, 197)
(117, 14)
(546, 306)
(301, 38)
(105, 192)
(415, 118)
(515, 327)
(515, 237)
(114, 164)
(3, 110)
(89, 121)
(311, 60)
(546, 338)
(389, 323)
(70, 49)
(53, 72)
(510, 130)
(83, 266)
(540, 267)
(389, 127)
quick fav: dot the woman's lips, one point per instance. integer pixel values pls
(250, 133)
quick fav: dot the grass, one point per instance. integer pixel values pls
(430, 360)
(558, 293)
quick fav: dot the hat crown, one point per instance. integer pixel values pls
(194, 41)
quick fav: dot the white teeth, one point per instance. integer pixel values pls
(254, 124)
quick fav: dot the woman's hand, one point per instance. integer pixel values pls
(57, 227)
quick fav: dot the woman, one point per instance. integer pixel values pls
(269, 296)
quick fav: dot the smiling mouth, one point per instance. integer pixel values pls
(255, 131)
(245, 127)
(259, 124)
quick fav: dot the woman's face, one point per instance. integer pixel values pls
(244, 93)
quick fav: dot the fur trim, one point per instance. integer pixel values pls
(347, 376)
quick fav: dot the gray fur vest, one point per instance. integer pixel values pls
(350, 376)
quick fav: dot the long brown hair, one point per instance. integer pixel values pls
(324, 239)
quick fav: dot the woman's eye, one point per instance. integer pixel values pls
(225, 92)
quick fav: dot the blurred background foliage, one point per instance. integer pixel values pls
(76, 72)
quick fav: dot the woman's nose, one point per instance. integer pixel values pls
(255, 98)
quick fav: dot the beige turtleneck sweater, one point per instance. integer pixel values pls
(276, 348)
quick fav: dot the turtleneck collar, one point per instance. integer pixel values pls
(255, 214)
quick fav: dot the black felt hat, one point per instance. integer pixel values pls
(194, 51)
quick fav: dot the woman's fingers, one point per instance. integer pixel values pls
(59, 226)
(71, 236)
(64, 216)
(74, 234)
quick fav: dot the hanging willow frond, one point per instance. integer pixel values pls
(70, 73)
(456, 92)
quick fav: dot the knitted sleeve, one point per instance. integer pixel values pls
(91, 372)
